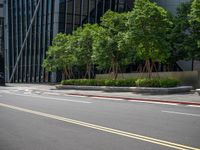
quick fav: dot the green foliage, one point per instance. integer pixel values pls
(169, 82)
(147, 82)
(109, 82)
(110, 52)
(183, 36)
(125, 82)
(178, 36)
(156, 82)
(195, 20)
(96, 82)
(121, 38)
(149, 24)
(84, 48)
(60, 55)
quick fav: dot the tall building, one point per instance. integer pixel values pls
(31, 24)
(2, 80)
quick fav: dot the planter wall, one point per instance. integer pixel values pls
(190, 78)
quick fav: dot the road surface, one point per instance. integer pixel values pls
(49, 122)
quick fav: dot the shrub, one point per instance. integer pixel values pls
(143, 82)
(147, 82)
(169, 82)
(125, 82)
(96, 82)
(100, 82)
(156, 82)
(110, 82)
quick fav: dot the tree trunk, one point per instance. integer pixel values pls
(115, 69)
(88, 71)
(65, 73)
(70, 74)
(149, 68)
(192, 64)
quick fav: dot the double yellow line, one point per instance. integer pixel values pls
(105, 129)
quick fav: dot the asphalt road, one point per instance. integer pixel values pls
(46, 122)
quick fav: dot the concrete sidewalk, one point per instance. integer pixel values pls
(187, 98)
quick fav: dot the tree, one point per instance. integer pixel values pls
(60, 56)
(195, 19)
(109, 51)
(148, 27)
(84, 48)
(184, 35)
(180, 34)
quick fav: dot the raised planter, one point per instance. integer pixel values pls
(198, 91)
(149, 90)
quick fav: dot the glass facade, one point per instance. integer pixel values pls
(74, 13)
(52, 16)
(1, 35)
(1, 44)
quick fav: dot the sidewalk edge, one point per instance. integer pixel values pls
(139, 99)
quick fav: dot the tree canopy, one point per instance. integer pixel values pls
(109, 52)
(147, 33)
(195, 19)
(60, 56)
(184, 35)
(84, 48)
(149, 24)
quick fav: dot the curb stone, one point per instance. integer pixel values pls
(141, 99)
(150, 90)
(198, 91)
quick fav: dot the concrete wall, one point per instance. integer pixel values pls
(187, 77)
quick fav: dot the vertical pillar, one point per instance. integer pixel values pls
(6, 55)
(55, 31)
(30, 42)
(198, 85)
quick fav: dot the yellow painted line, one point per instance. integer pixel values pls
(105, 129)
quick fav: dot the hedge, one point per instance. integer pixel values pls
(141, 82)
(157, 82)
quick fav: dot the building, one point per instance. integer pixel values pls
(1, 27)
(170, 5)
(31, 25)
(1, 44)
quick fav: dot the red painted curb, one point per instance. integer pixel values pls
(140, 99)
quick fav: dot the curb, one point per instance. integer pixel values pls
(198, 91)
(150, 90)
(140, 99)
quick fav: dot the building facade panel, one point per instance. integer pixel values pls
(170, 5)
(2, 69)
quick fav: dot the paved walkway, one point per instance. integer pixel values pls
(50, 89)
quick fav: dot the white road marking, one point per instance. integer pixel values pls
(103, 129)
(181, 113)
(74, 95)
(162, 103)
(51, 93)
(193, 105)
(51, 98)
(167, 103)
(107, 98)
